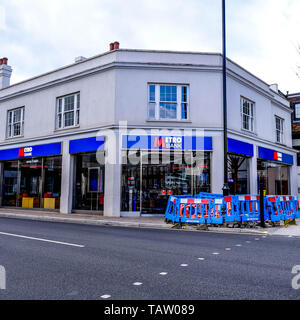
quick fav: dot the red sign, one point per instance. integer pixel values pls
(158, 143)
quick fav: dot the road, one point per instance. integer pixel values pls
(112, 263)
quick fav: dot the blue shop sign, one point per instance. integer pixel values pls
(86, 144)
(172, 142)
(239, 147)
(31, 151)
(273, 155)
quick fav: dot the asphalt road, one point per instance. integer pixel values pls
(112, 263)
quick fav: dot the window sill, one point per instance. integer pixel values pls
(168, 120)
(67, 129)
(14, 138)
(280, 144)
(249, 132)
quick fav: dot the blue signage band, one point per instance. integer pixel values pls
(239, 147)
(152, 142)
(86, 144)
(273, 155)
(43, 150)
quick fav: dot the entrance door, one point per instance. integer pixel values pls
(89, 184)
(162, 178)
(30, 182)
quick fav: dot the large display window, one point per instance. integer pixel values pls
(238, 174)
(32, 183)
(150, 177)
(89, 183)
(275, 177)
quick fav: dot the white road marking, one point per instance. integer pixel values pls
(228, 249)
(201, 259)
(105, 296)
(264, 237)
(256, 238)
(216, 253)
(44, 240)
(163, 273)
(238, 245)
(248, 241)
(184, 265)
(137, 283)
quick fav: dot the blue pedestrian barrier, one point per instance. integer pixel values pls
(286, 208)
(296, 208)
(249, 208)
(271, 205)
(231, 209)
(216, 216)
(207, 208)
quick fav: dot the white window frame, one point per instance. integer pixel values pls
(11, 123)
(297, 114)
(61, 112)
(250, 116)
(178, 102)
(279, 131)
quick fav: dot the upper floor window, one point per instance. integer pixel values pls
(247, 112)
(68, 110)
(168, 102)
(15, 122)
(297, 111)
(279, 129)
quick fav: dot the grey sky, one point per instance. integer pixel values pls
(40, 35)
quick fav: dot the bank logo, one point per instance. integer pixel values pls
(278, 156)
(25, 152)
(2, 278)
(168, 142)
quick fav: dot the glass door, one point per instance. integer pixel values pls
(89, 183)
(164, 174)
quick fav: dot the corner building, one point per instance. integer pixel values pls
(156, 117)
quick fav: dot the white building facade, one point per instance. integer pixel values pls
(119, 132)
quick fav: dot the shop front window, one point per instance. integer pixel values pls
(130, 181)
(89, 183)
(10, 183)
(238, 174)
(32, 183)
(275, 177)
(154, 176)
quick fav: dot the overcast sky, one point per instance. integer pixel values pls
(262, 35)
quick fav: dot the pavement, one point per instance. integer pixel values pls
(65, 261)
(136, 222)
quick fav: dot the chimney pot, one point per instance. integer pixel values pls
(5, 60)
(111, 46)
(116, 45)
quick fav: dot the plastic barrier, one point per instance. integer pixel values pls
(285, 207)
(216, 213)
(296, 208)
(271, 205)
(231, 209)
(215, 209)
(249, 208)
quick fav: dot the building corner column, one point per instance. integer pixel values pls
(66, 179)
(112, 191)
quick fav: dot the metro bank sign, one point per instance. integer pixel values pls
(41, 150)
(168, 142)
(165, 142)
(25, 152)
